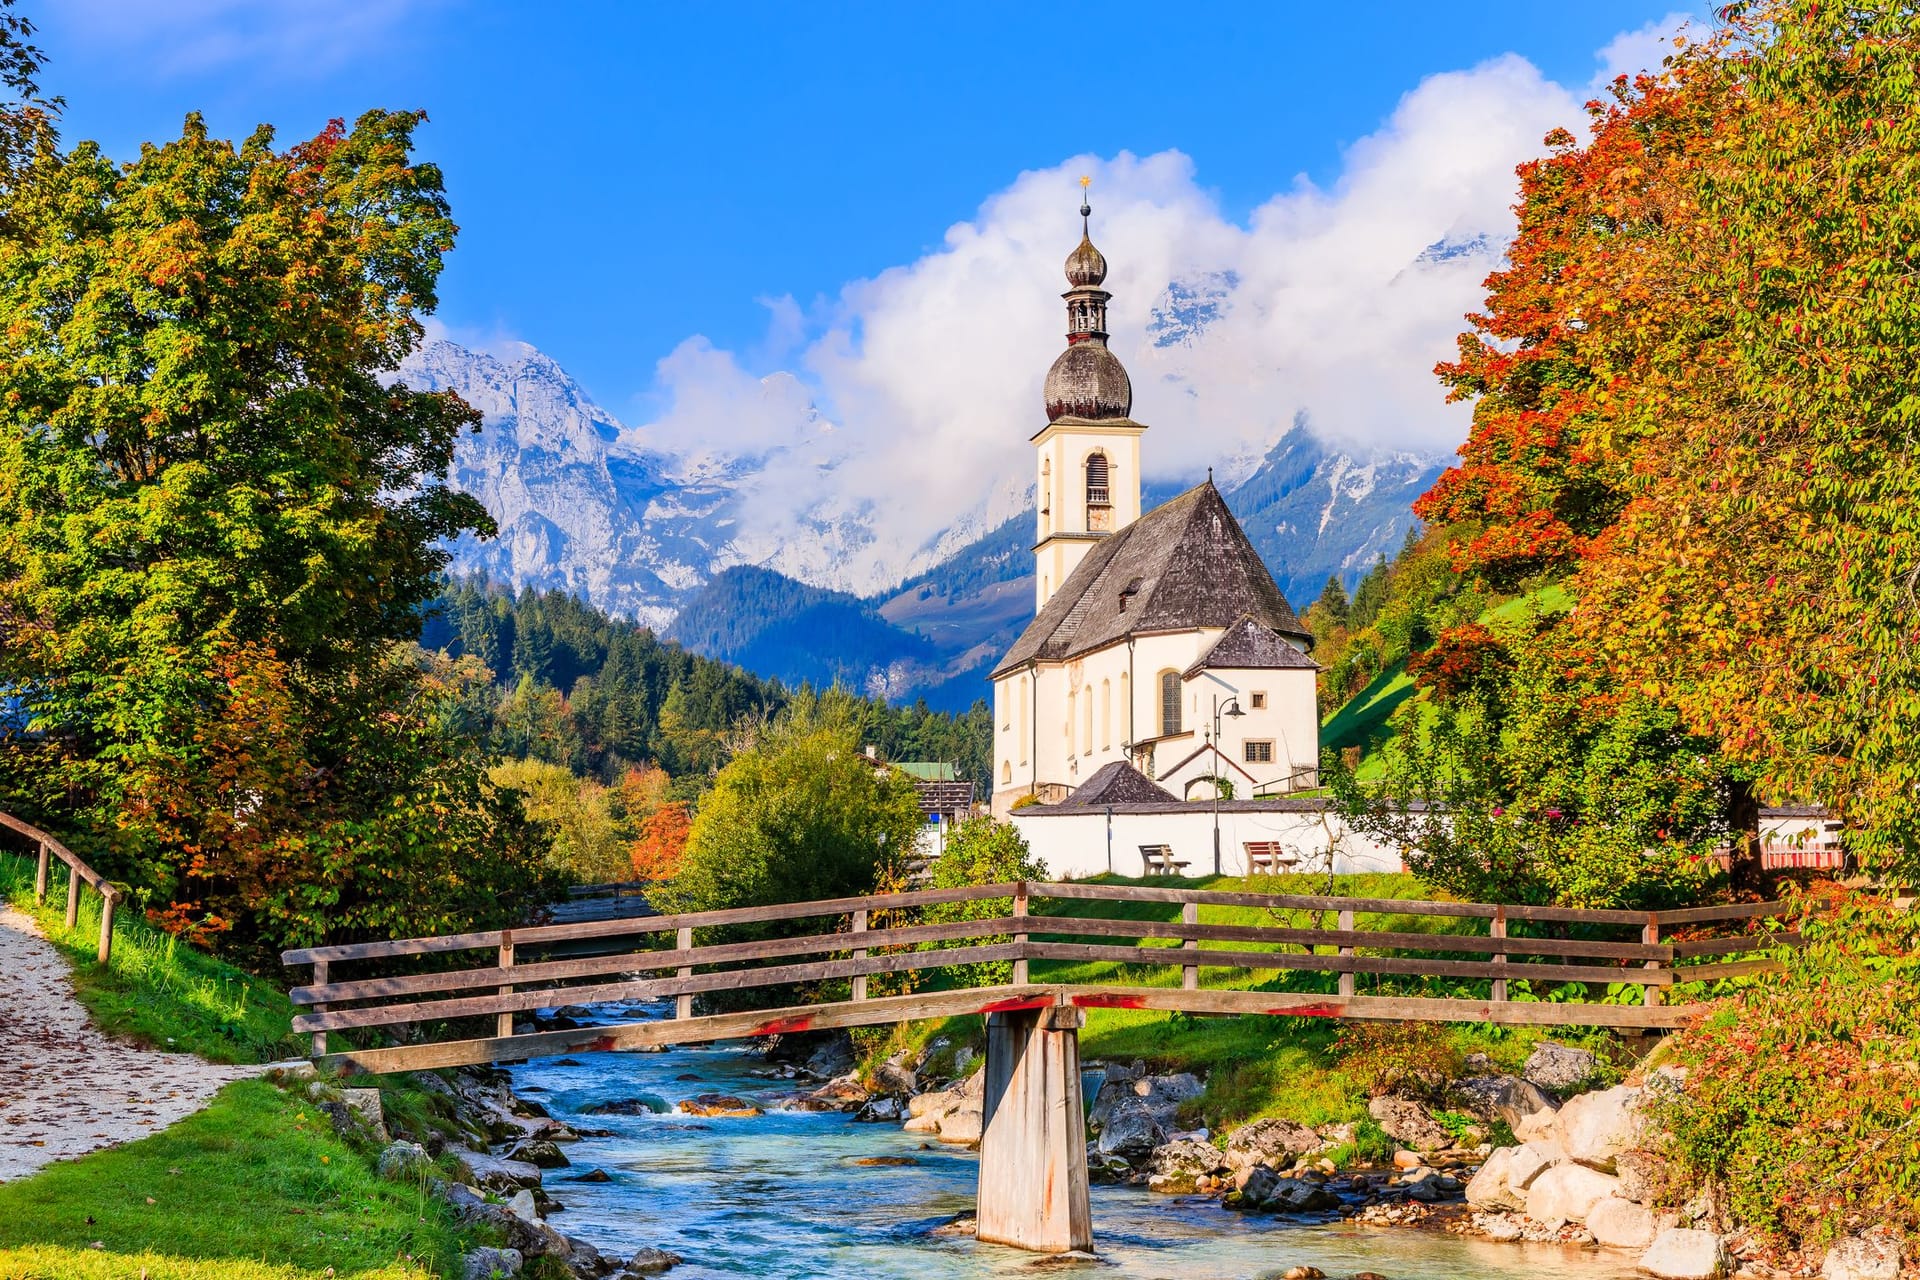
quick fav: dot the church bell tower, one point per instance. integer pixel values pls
(1088, 454)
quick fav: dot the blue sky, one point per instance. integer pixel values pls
(628, 175)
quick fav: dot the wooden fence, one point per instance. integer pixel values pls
(657, 958)
(78, 872)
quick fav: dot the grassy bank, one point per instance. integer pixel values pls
(1254, 1066)
(158, 990)
(255, 1187)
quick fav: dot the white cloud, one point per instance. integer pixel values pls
(1328, 305)
(1632, 52)
(182, 37)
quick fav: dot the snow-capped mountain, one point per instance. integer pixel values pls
(584, 504)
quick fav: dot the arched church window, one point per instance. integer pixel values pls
(1169, 702)
(1106, 714)
(1086, 741)
(1070, 700)
(1098, 493)
(1006, 773)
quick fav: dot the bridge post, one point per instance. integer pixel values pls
(1033, 1142)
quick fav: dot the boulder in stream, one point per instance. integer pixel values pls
(718, 1104)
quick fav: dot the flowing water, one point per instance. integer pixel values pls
(790, 1194)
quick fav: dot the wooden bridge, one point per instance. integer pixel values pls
(448, 1001)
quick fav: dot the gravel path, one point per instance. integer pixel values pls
(65, 1087)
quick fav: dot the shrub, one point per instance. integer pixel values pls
(981, 851)
(1801, 1105)
(1406, 1059)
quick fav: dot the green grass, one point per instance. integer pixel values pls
(255, 1187)
(158, 990)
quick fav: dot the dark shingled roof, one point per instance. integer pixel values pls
(1183, 565)
(1116, 783)
(1249, 646)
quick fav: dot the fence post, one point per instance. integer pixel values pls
(73, 897)
(1651, 936)
(1497, 928)
(40, 875)
(683, 941)
(1346, 975)
(503, 1021)
(319, 980)
(1190, 973)
(860, 953)
(1020, 939)
(107, 898)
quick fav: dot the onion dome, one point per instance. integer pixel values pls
(1088, 381)
(1086, 265)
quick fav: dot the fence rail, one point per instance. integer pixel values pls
(78, 872)
(656, 958)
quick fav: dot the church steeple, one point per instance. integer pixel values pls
(1087, 381)
(1089, 453)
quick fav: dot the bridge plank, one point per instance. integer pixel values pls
(643, 961)
(647, 988)
(1309, 902)
(1095, 925)
(1404, 967)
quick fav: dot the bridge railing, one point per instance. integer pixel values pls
(78, 873)
(502, 974)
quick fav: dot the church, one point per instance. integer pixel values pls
(1159, 641)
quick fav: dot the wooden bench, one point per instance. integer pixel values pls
(1160, 861)
(1268, 856)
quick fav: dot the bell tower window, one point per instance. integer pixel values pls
(1099, 494)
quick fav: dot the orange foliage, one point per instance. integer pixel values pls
(662, 842)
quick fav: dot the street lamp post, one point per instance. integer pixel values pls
(1231, 711)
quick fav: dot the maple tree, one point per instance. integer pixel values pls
(661, 843)
(1693, 387)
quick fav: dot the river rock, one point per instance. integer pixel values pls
(1131, 1129)
(1299, 1195)
(521, 1205)
(492, 1173)
(1858, 1258)
(591, 1175)
(896, 1075)
(491, 1264)
(1259, 1184)
(1407, 1121)
(1642, 1175)
(405, 1162)
(644, 1104)
(1679, 1253)
(964, 1126)
(1507, 1098)
(842, 1093)
(718, 1104)
(1595, 1128)
(1567, 1192)
(1176, 1168)
(1490, 1189)
(1274, 1143)
(1530, 1160)
(834, 1057)
(540, 1153)
(882, 1110)
(1621, 1224)
(1559, 1069)
(650, 1262)
(1130, 1097)
(1430, 1185)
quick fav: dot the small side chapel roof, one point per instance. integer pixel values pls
(1184, 565)
(1116, 783)
(1250, 646)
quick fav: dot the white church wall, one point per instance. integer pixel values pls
(1075, 845)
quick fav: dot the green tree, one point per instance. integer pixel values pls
(798, 815)
(1333, 601)
(981, 851)
(219, 519)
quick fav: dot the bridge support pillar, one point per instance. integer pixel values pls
(1033, 1143)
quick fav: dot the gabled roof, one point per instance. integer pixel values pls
(1116, 783)
(1251, 646)
(1185, 564)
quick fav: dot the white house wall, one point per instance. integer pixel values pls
(1075, 845)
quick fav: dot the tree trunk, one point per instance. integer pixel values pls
(1743, 837)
